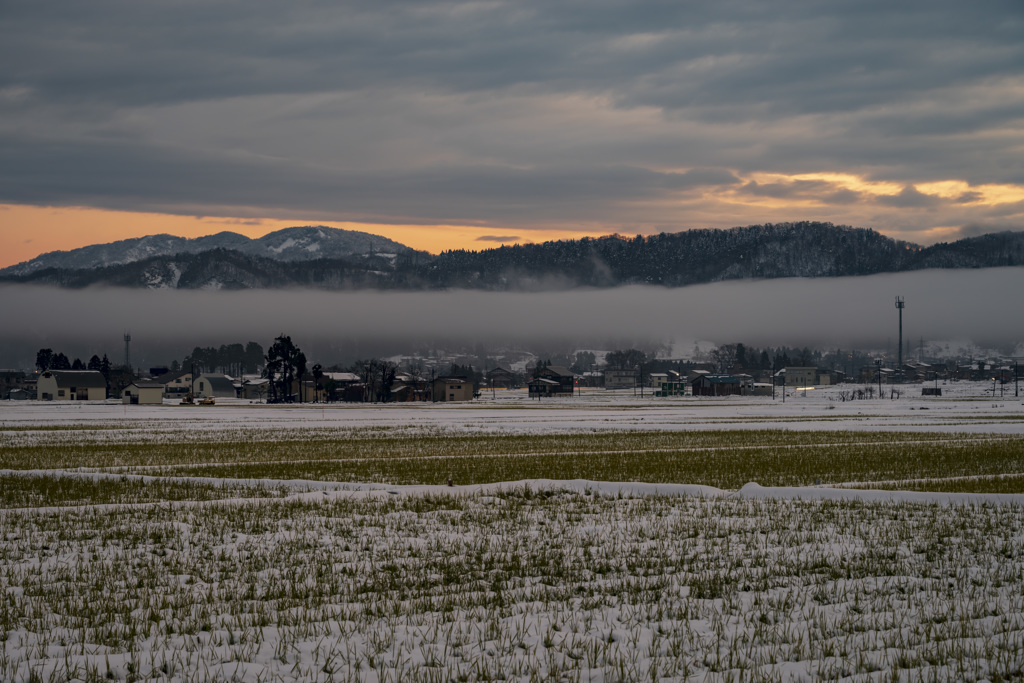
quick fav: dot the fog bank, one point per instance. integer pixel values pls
(981, 305)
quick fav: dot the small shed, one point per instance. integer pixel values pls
(143, 394)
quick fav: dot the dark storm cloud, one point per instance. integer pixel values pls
(525, 110)
(908, 197)
(142, 177)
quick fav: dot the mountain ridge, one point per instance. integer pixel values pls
(288, 244)
(806, 249)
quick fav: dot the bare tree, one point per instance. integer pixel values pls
(724, 358)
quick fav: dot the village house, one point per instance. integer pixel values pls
(177, 384)
(656, 379)
(449, 389)
(143, 393)
(542, 386)
(669, 383)
(500, 378)
(716, 385)
(12, 380)
(71, 385)
(798, 377)
(564, 380)
(617, 378)
(408, 388)
(694, 374)
(746, 383)
(255, 388)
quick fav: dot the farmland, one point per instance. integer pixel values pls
(604, 539)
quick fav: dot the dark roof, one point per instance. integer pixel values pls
(452, 380)
(91, 379)
(558, 370)
(147, 385)
(171, 376)
(717, 379)
(219, 382)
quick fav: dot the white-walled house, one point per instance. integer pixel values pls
(177, 384)
(143, 393)
(71, 385)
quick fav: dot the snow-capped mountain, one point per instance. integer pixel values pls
(326, 258)
(290, 244)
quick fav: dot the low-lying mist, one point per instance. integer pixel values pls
(979, 305)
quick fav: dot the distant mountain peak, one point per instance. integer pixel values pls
(329, 258)
(302, 243)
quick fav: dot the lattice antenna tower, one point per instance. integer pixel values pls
(128, 350)
(899, 354)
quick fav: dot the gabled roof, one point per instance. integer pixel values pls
(147, 385)
(91, 379)
(558, 370)
(172, 376)
(452, 380)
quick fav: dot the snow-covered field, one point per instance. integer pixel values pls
(964, 407)
(262, 543)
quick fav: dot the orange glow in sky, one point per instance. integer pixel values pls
(28, 231)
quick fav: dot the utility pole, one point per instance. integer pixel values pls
(899, 353)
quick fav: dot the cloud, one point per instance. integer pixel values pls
(599, 116)
(702, 177)
(498, 238)
(909, 197)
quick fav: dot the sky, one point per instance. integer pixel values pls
(445, 124)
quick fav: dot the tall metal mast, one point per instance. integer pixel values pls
(899, 354)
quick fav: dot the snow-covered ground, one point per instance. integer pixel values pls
(523, 581)
(125, 576)
(964, 407)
